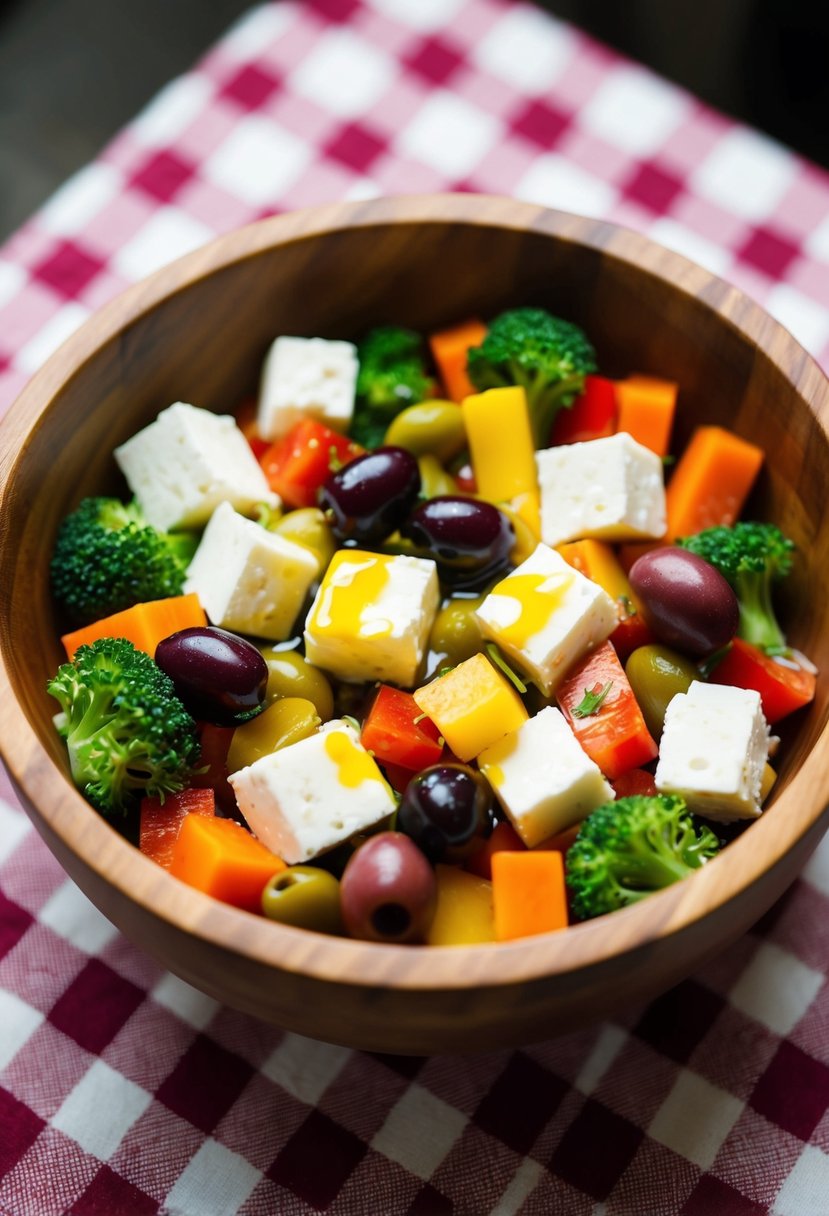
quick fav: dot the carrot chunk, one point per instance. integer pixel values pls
(161, 821)
(219, 857)
(646, 410)
(145, 625)
(449, 350)
(528, 893)
(711, 481)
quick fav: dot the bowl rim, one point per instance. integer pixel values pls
(341, 960)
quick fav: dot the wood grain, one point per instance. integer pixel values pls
(197, 331)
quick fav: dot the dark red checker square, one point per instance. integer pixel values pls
(14, 921)
(653, 187)
(711, 1195)
(95, 1006)
(675, 1023)
(768, 251)
(335, 10)
(108, 1193)
(68, 269)
(596, 1149)
(354, 145)
(162, 176)
(205, 1083)
(405, 1066)
(520, 1103)
(541, 123)
(435, 60)
(317, 1160)
(19, 1128)
(250, 87)
(793, 1092)
(429, 1202)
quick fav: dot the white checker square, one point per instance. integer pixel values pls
(805, 319)
(18, 1022)
(634, 110)
(12, 280)
(258, 161)
(449, 135)
(523, 1181)
(186, 1002)
(304, 1067)
(690, 244)
(83, 196)
(70, 914)
(438, 1127)
(526, 48)
(420, 15)
(746, 173)
(815, 872)
(171, 110)
(553, 181)
(101, 1109)
(167, 235)
(609, 1042)
(344, 74)
(50, 336)
(14, 826)
(256, 28)
(215, 1180)
(816, 241)
(806, 1189)
(695, 1118)
(776, 988)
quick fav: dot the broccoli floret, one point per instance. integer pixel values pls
(630, 848)
(107, 558)
(752, 557)
(127, 732)
(392, 376)
(547, 356)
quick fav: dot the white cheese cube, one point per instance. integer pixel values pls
(545, 615)
(609, 489)
(713, 751)
(372, 616)
(543, 779)
(307, 378)
(248, 579)
(310, 796)
(184, 464)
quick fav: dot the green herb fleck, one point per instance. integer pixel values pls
(498, 659)
(592, 701)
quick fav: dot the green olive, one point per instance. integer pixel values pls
(430, 428)
(434, 480)
(308, 527)
(456, 633)
(286, 721)
(305, 896)
(656, 675)
(291, 675)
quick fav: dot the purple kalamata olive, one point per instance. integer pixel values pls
(388, 890)
(370, 497)
(686, 602)
(471, 541)
(447, 811)
(219, 677)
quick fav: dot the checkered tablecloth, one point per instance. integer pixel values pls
(123, 1091)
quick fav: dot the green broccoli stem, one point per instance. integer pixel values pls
(648, 864)
(758, 623)
(545, 402)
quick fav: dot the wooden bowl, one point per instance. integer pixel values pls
(197, 331)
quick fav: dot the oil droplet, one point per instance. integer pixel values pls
(354, 764)
(537, 597)
(351, 590)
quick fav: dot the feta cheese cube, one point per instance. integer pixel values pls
(713, 751)
(542, 778)
(184, 464)
(310, 796)
(307, 378)
(248, 579)
(545, 615)
(610, 489)
(372, 616)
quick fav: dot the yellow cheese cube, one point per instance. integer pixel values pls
(464, 913)
(473, 706)
(503, 453)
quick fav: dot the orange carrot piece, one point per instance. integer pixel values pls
(144, 624)
(449, 348)
(504, 838)
(597, 561)
(528, 893)
(161, 821)
(219, 857)
(646, 410)
(711, 481)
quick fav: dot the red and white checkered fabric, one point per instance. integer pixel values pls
(123, 1091)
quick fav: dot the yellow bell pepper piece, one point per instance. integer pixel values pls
(502, 450)
(767, 781)
(473, 706)
(464, 913)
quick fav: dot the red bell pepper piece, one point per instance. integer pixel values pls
(396, 731)
(634, 781)
(504, 838)
(160, 821)
(614, 735)
(215, 742)
(783, 686)
(591, 416)
(297, 464)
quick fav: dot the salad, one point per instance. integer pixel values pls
(419, 647)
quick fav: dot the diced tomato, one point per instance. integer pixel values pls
(634, 781)
(465, 479)
(591, 416)
(783, 685)
(246, 422)
(215, 742)
(504, 838)
(297, 464)
(160, 821)
(562, 840)
(398, 733)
